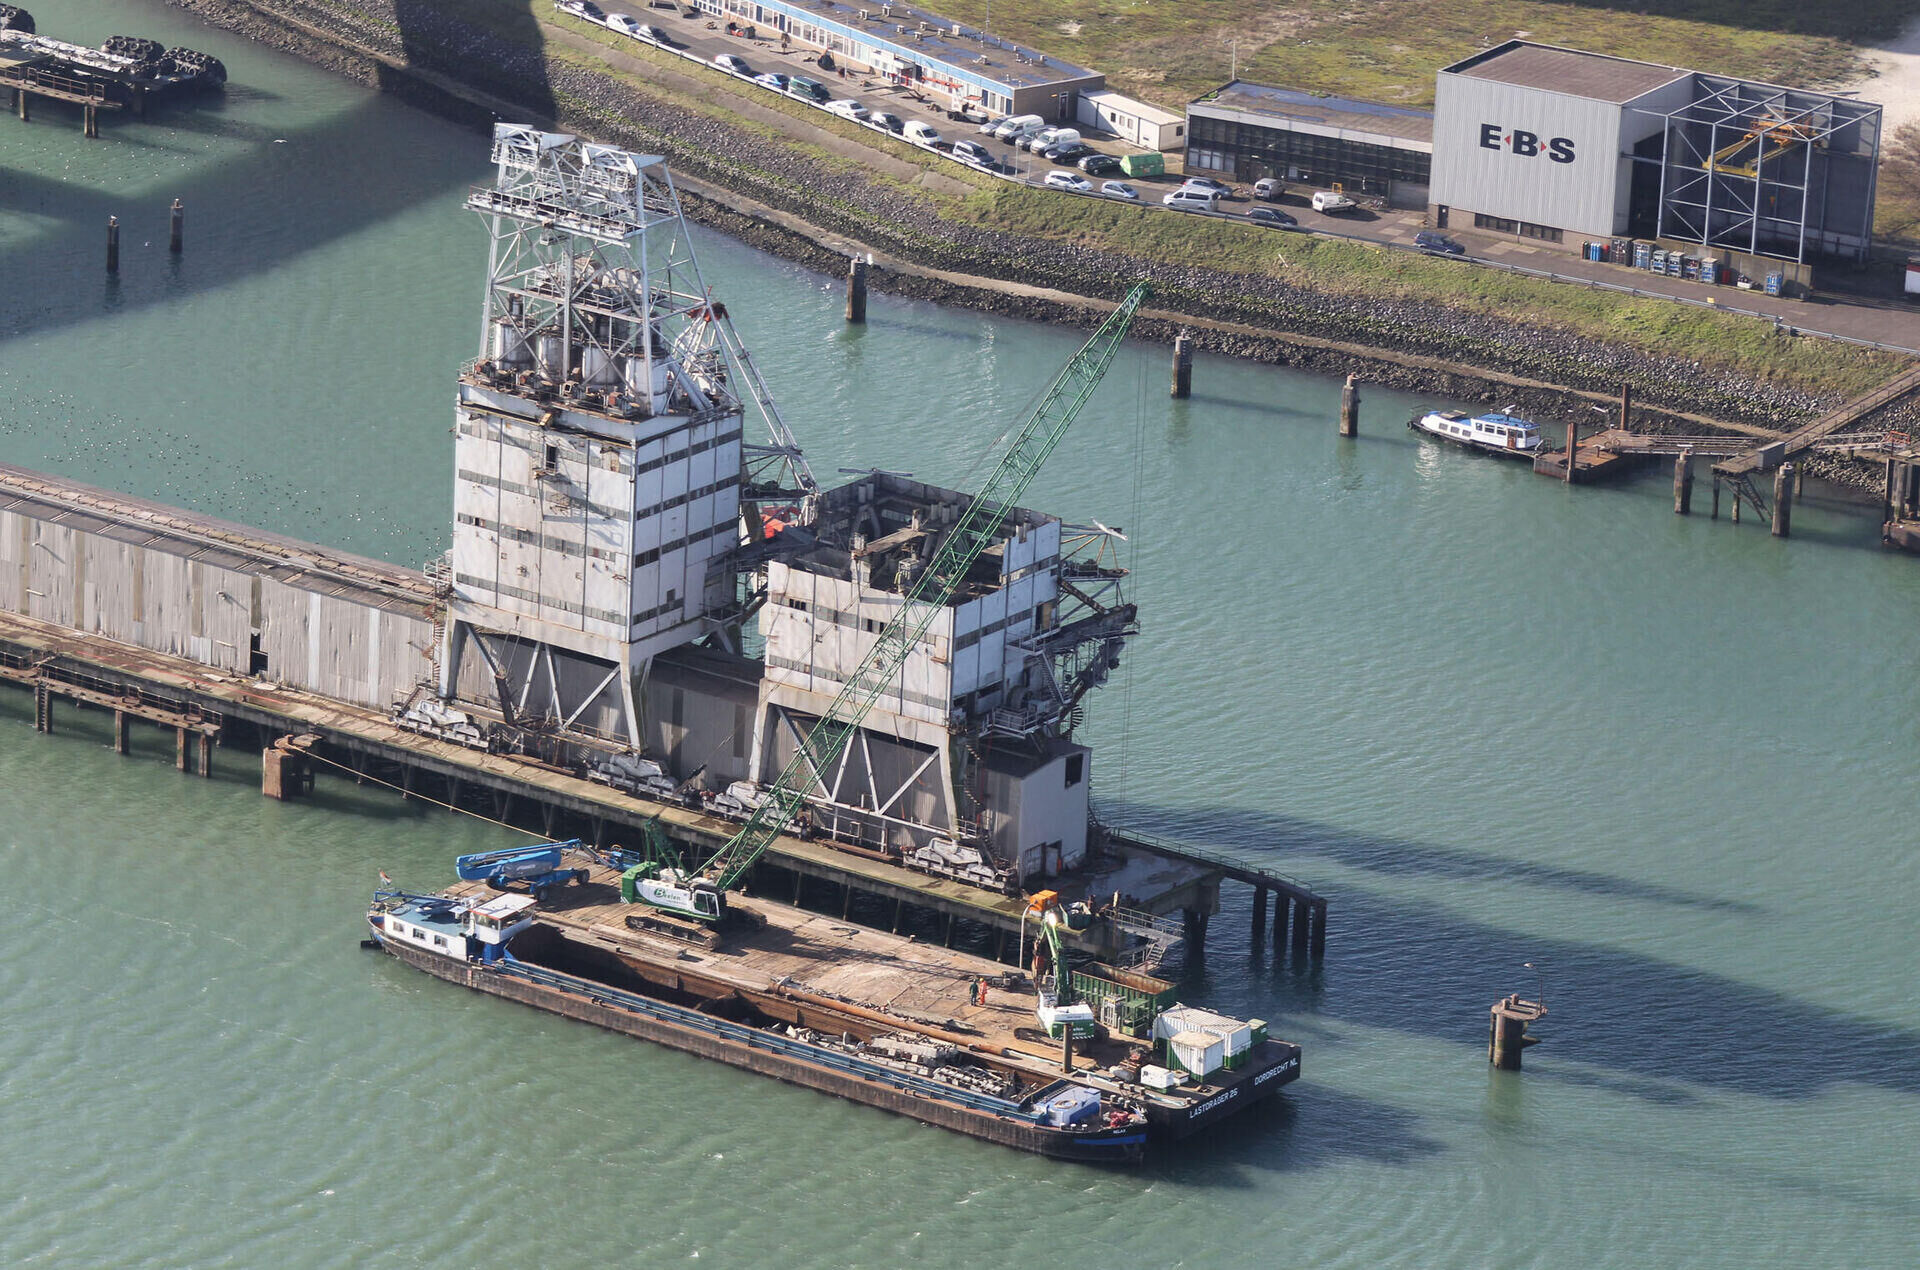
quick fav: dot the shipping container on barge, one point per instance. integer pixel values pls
(940, 1035)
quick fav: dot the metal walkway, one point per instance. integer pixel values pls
(1772, 454)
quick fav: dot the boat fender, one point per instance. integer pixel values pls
(373, 944)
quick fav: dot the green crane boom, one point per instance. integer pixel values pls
(971, 535)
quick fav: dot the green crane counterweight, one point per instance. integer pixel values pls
(702, 895)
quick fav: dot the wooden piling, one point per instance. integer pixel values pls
(1182, 366)
(1573, 448)
(1350, 409)
(1683, 482)
(182, 755)
(120, 729)
(113, 244)
(176, 225)
(206, 755)
(1783, 500)
(1716, 499)
(856, 290)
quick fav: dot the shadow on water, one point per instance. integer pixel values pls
(1302, 1128)
(1633, 1024)
(324, 212)
(1396, 857)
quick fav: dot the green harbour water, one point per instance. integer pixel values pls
(1667, 760)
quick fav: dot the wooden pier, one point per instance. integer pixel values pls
(1601, 455)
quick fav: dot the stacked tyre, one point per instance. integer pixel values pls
(205, 65)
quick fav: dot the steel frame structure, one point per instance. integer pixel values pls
(1708, 200)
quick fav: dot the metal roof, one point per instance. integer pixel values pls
(878, 22)
(1572, 72)
(176, 531)
(1403, 123)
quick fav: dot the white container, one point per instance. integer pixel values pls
(1160, 1078)
(1201, 1053)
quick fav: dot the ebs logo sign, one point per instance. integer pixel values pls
(1494, 137)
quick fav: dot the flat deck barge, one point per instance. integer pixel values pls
(807, 998)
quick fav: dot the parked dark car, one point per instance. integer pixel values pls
(1437, 243)
(1068, 152)
(1100, 165)
(1272, 216)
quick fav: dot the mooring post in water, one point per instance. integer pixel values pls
(1716, 497)
(1507, 1035)
(113, 244)
(1573, 447)
(1350, 409)
(1182, 366)
(120, 745)
(20, 105)
(182, 756)
(206, 755)
(90, 122)
(856, 290)
(1683, 482)
(176, 226)
(1783, 500)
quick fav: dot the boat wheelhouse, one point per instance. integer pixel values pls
(1499, 432)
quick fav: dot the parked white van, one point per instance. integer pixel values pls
(1018, 126)
(1190, 200)
(1049, 137)
(1331, 201)
(921, 134)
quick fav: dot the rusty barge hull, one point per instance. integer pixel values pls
(597, 1009)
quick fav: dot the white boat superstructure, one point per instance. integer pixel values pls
(1499, 432)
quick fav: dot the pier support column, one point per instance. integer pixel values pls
(20, 105)
(856, 290)
(1281, 906)
(176, 227)
(1783, 500)
(1573, 448)
(120, 738)
(182, 756)
(1194, 923)
(1302, 925)
(206, 755)
(113, 244)
(1318, 947)
(1182, 366)
(1683, 482)
(90, 122)
(1350, 409)
(42, 708)
(1716, 499)
(1259, 914)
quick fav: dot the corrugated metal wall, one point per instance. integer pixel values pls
(330, 640)
(1576, 196)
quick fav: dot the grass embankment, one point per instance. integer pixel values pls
(1389, 50)
(1752, 348)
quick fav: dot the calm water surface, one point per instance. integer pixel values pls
(1499, 721)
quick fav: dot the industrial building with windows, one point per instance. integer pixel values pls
(1557, 145)
(1254, 131)
(925, 51)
